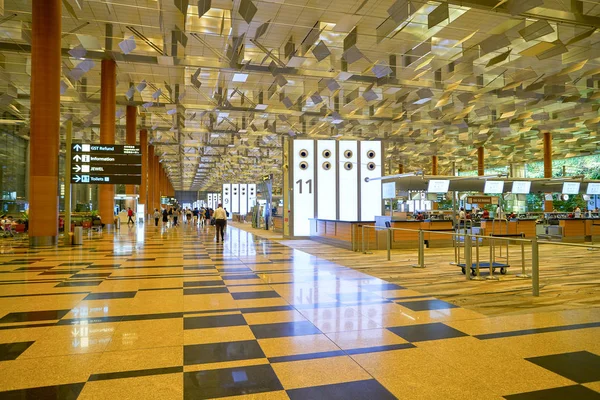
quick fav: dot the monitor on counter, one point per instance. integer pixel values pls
(438, 186)
(493, 187)
(570, 188)
(593, 188)
(521, 187)
(389, 190)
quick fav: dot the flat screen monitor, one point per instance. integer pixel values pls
(389, 190)
(493, 187)
(593, 188)
(570, 188)
(521, 187)
(438, 186)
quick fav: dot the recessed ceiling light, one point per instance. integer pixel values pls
(240, 77)
(261, 106)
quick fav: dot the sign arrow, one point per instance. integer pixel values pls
(77, 147)
(76, 178)
(77, 168)
(77, 158)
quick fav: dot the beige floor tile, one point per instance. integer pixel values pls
(75, 339)
(251, 303)
(46, 371)
(278, 395)
(365, 338)
(285, 346)
(159, 387)
(323, 371)
(131, 360)
(345, 324)
(225, 364)
(22, 335)
(147, 334)
(593, 385)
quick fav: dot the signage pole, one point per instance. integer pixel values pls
(67, 225)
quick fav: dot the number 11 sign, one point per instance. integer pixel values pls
(303, 193)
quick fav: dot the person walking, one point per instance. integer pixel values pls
(220, 220)
(175, 216)
(156, 216)
(165, 215)
(130, 216)
(196, 213)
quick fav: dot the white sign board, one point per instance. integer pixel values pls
(389, 190)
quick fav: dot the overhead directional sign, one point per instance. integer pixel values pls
(106, 164)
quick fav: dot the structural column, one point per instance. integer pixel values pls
(548, 204)
(434, 165)
(480, 162)
(144, 183)
(130, 137)
(108, 87)
(150, 181)
(44, 122)
(400, 168)
(156, 182)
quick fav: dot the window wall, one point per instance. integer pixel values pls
(13, 171)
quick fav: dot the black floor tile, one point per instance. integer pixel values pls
(561, 393)
(103, 266)
(208, 290)
(198, 267)
(62, 392)
(220, 352)
(230, 382)
(234, 269)
(251, 310)
(110, 295)
(427, 305)
(240, 277)
(78, 283)
(67, 264)
(534, 331)
(580, 367)
(203, 283)
(136, 373)
(58, 272)
(10, 351)
(93, 275)
(214, 321)
(283, 329)
(358, 390)
(31, 316)
(33, 268)
(420, 333)
(255, 295)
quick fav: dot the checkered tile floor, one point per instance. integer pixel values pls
(168, 314)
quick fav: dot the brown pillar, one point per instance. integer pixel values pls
(434, 165)
(400, 168)
(157, 180)
(144, 184)
(130, 125)
(150, 186)
(480, 162)
(44, 122)
(108, 87)
(548, 204)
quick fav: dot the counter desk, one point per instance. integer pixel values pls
(344, 234)
(410, 239)
(509, 227)
(277, 221)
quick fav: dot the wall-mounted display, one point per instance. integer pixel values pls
(570, 188)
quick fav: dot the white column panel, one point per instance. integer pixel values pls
(370, 192)
(326, 179)
(303, 186)
(243, 199)
(251, 195)
(218, 198)
(227, 197)
(210, 200)
(235, 198)
(348, 173)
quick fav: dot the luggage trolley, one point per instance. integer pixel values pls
(492, 265)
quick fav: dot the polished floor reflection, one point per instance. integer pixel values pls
(155, 313)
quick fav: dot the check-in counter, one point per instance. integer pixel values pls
(592, 228)
(573, 229)
(344, 234)
(510, 227)
(277, 221)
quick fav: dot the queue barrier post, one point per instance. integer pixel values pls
(468, 257)
(477, 276)
(535, 267)
(389, 244)
(523, 273)
(421, 253)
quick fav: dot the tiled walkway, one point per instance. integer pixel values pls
(169, 314)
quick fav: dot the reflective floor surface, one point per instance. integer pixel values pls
(168, 314)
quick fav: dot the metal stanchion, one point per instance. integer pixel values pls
(523, 274)
(477, 277)
(535, 267)
(421, 260)
(491, 276)
(592, 238)
(468, 258)
(389, 244)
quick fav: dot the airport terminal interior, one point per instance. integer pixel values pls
(300, 199)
